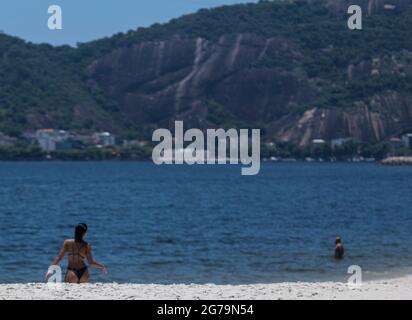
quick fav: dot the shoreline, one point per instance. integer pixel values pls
(391, 289)
(397, 161)
(149, 160)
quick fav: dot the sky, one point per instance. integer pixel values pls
(85, 20)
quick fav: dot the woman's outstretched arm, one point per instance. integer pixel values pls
(92, 262)
(60, 255)
(58, 258)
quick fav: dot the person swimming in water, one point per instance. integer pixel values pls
(77, 251)
(339, 250)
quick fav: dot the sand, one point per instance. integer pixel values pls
(399, 288)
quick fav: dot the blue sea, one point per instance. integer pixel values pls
(207, 224)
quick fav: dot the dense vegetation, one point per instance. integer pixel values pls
(346, 152)
(29, 152)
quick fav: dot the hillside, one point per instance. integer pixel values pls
(292, 68)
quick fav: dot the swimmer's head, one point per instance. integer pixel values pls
(338, 240)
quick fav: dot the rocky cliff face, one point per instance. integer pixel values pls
(161, 81)
(359, 123)
(158, 82)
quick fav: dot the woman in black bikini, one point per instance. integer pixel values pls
(77, 250)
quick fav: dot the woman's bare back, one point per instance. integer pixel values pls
(76, 253)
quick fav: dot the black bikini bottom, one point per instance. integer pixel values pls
(78, 272)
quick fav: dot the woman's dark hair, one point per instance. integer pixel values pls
(79, 232)
(338, 240)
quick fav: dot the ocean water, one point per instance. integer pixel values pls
(207, 224)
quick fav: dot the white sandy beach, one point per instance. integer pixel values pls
(400, 288)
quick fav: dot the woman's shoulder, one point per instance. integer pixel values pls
(67, 243)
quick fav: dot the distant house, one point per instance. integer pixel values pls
(51, 139)
(104, 139)
(396, 142)
(6, 140)
(389, 7)
(68, 144)
(136, 142)
(335, 143)
(318, 142)
(407, 140)
(81, 139)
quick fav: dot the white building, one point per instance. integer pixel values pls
(104, 139)
(49, 138)
(335, 143)
(6, 140)
(396, 142)
(318, 142)
(407, 140)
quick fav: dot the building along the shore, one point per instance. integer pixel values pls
(339, 142)
(407, 140)
(104, 139)
(6, 140)
(52, 140)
